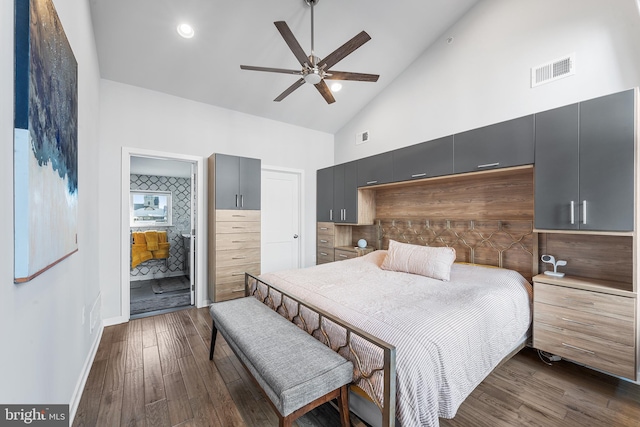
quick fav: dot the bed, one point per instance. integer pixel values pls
(442, 337)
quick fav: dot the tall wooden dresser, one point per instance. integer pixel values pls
(234, 224)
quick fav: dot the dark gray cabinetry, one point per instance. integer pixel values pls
(502, 145)
(556, 173)
(375, 170)
(425, 160)
(324, 195)
(237, 182)
(345, 193)
(585, 165)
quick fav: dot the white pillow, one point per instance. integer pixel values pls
(434, 262)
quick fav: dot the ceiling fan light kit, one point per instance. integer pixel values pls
(314, 69)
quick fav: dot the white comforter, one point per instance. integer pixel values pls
(448, 335)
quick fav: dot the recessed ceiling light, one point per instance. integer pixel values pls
(185, 30)
(336, 87)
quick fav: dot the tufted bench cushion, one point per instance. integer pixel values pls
(292, 368)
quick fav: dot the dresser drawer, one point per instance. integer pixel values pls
(325, 241)
(325, 255)
(237, 227)
(605, 327)
(235, 273)
(231, 290)
(237, 215)
(609, 356)
(237, 257)
(326, 228)
(597, 303)
(341, 254)
(230, 241)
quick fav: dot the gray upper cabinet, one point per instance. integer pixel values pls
(556, 173)
(425, 160)
(607, 162)
(375, 170)
(502, 145)
(345, 193)
(585, 165)
(237, 182)
(324, 195)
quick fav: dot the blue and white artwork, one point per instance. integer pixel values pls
(45, 141)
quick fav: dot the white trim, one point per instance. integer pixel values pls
(82, 381)
(301, 211)
(201, 227)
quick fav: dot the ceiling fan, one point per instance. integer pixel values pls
(314, 69)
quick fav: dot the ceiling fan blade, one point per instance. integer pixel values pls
(290, 89)
(344, 50)
(325, 92)
(345, 75)
(271, 70)
(292, 42)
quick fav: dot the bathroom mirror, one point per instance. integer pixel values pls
(149, 208)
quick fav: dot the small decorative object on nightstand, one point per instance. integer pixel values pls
(362, 243)
(550, 259)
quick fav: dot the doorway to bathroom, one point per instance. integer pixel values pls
(161, 240)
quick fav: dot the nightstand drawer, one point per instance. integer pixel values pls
(601, 354)
(325, 255)
(618, 330)
(596, 303)
(325, 240)
(341, 254)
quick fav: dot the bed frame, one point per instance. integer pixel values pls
(316, 321)
(502, 243)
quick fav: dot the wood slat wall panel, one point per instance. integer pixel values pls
(498, 195)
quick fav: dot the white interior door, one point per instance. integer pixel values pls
(280, 220)
(192, 246)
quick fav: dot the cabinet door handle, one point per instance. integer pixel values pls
(324, 241)
(330, 216)
(324, 228)
(239, 257)
(242, 200)
(573, 220)
(324, 254)
(342, 256)
(371, 182)
(235, 291)
(489, 165)
(418, 175)
(237, 274)
(577, 301)
(584, 212)
(577, 348)
(236, 200)
(238, 216)
(239, 241)
(590, 325)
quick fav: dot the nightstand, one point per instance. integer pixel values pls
(589, 321)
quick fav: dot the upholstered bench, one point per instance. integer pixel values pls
(294, 370)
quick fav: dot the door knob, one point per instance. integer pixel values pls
(295, 236)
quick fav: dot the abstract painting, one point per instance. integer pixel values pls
(45, 141)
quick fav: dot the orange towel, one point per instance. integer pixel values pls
(138, 238)
(139, 254)
(163, 246)
(151, 237)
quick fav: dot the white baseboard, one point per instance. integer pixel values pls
(88, 363)
(114, 321)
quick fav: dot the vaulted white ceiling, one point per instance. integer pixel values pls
(138, 45)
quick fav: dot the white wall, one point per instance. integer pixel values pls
(139, 118)
(44, 343)
(483, 77)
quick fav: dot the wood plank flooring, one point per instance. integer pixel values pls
(156, 372)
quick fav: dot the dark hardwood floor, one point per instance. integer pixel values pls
(156, 371)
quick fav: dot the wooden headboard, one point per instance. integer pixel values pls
(509, 244)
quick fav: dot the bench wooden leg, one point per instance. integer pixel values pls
(214, 332)
(343, 406)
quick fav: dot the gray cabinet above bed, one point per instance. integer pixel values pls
(425, 160)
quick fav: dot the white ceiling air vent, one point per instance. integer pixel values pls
(554, 70)
(362, 137)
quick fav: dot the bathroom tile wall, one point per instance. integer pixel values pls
(181, 195)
